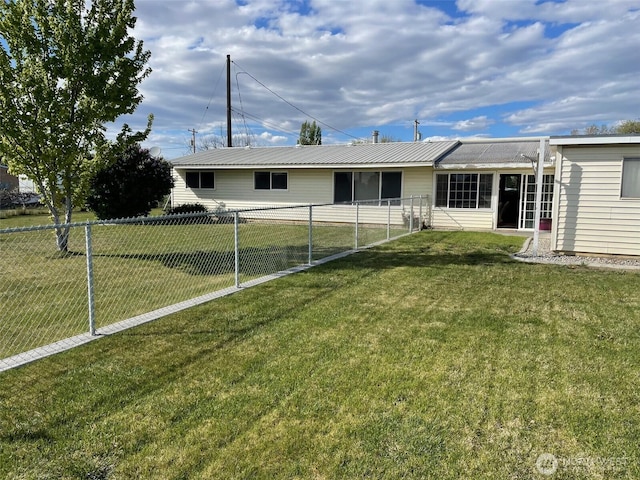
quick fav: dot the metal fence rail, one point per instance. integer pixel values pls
(115, 270)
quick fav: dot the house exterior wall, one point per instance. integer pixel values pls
(591, 215)
(235, 190)
(462, 219)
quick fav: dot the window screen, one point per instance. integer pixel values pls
(193, 179)
(342, 183)
(262, 180)
(279, 180)
(207, 180)
(391, 185)
(366, 185)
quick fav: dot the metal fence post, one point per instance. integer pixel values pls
(90, 298)
(420, 216)
(411, 216)
(310, 234)
(388, 219)
(236, 246)
(357, 222)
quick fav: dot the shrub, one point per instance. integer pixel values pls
(131, 186)
(187, 208)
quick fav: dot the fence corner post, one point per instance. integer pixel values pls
(90, 293)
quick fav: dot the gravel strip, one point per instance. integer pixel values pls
(545, 255)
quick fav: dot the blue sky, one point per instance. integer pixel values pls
(465, 68)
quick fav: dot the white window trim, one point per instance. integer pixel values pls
(199, 172)
(624, 198)
(380, 200)
(464, 172)
(270, 189)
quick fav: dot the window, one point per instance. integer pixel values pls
(391, 185)
(366, 185)
(342, 187)
(270, 180)
(528, 199)
(464, 190)
(358, 186)
(203, 179)
(630, 178)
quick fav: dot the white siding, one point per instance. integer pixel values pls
(592, 218)
(234, 189)
(417, 181)
(462, 218)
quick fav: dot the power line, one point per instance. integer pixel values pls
(268, 124)
(244, 120)
(292, 105)
(211, 98)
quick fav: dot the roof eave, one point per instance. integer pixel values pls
(488, 166)
(596, 140)
(333, 166)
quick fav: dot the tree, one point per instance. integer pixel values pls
(623, 128)
(310, 134)
(628, 127)
(67, 67)
(131, 186)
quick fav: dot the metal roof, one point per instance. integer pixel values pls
(494, 152)
(396, 154)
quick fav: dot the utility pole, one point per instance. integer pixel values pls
(193, 139)
(416, 134)
(229, 136)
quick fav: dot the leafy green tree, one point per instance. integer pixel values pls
(67, 67)
(310, 134)
(628, 127)
(130, 187)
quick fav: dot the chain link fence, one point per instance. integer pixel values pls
(113, 271)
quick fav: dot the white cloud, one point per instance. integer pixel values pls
(477, 123)
(272, 139)
(375, 63)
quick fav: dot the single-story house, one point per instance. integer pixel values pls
(597, 200)
(466, 184)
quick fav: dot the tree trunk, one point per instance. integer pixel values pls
(62, 230)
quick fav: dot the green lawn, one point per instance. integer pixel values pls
(434, 356)
(138, 269)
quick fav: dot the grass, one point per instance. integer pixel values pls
(137, 269)
(28, 217)
(434, 356)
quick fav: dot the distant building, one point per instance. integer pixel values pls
(26, 185)
(7, 181)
